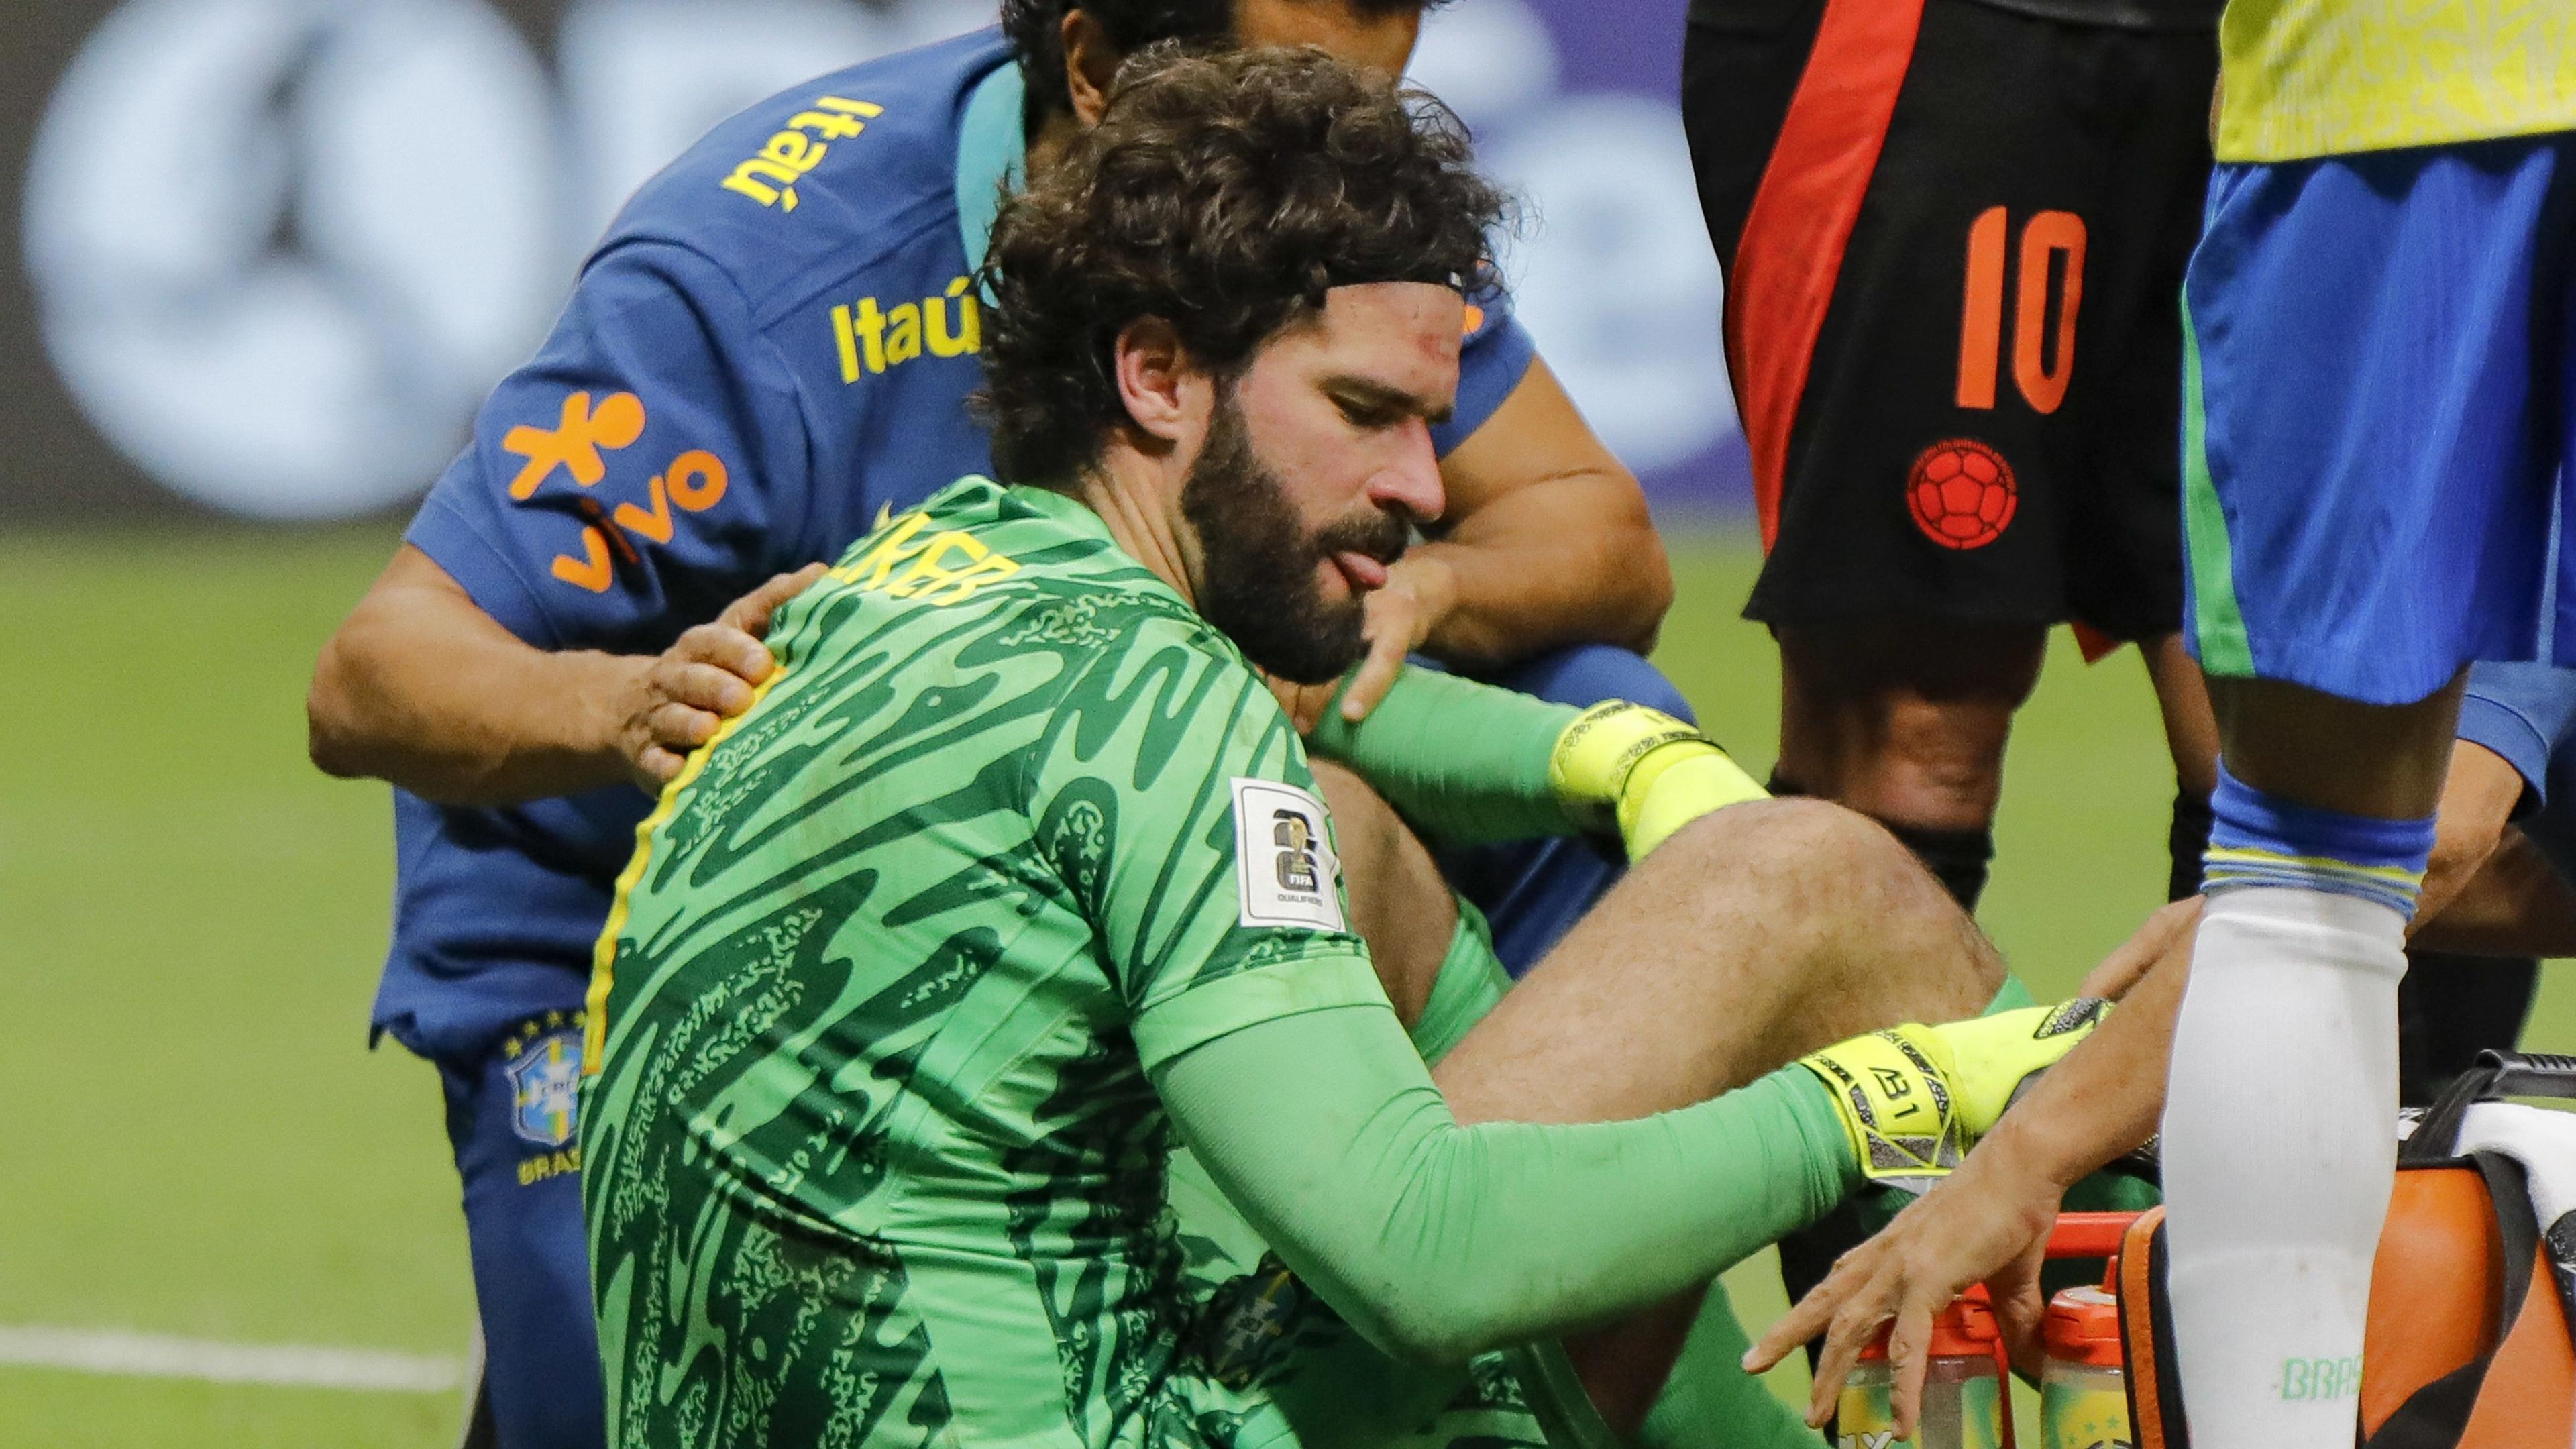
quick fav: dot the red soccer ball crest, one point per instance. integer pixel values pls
(1961, 493)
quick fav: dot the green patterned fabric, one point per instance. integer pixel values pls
(872, 1153)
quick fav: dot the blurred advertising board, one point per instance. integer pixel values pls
(262, 258)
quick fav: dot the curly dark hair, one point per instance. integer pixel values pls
(1224, 194)
(1036, 31)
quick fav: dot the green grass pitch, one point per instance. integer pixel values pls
(194, 1139)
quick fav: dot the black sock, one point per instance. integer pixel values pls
(2449, 1008)
(1957, 858)
(2185, 840)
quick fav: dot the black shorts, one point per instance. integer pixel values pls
(1954, 234)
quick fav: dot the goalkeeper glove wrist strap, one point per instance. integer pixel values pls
(1644, 772)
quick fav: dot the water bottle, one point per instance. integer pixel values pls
(1963, 1387)
(2083, 1402)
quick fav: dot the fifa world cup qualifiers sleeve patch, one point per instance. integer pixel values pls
(1286, 873)
(1172, 802)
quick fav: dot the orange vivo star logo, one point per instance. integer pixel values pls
(575, 442)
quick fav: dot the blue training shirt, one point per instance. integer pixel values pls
(773, 344)
(2526, 713)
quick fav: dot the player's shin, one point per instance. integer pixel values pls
(2279, 1128)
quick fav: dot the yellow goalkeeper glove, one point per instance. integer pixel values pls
(1914, 1099)
(1644, 772)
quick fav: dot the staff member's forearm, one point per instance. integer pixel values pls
(422, 688)
(1553, 544)
(2479, 793)
(2106, 1097)
(2516, 905)
(2489, 891)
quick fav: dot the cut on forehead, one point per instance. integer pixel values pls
(1396, 343)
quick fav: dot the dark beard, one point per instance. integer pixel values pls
(1258, 583)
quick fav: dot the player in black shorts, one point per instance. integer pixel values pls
(1953, 234)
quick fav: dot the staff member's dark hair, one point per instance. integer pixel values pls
(1224, 194)
(1036, 30)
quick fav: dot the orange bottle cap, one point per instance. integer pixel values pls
(2083, 1326)
(1965, 1329)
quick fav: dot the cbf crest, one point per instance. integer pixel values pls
(545, 1087)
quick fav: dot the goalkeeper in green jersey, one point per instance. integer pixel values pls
(1016, 880)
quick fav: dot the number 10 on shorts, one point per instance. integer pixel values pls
(2052, 270)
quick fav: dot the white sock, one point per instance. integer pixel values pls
(2279, 1147)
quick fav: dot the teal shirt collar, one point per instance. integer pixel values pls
(992, 154)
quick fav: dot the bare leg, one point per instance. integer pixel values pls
(1759, 933)
(2387, 761)
(1755, 935)
(2182, 697)
(1906, 722)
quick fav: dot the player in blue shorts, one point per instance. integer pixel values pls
(2380, 320)
(771, 348)
(2380, 346)
(2379, 421)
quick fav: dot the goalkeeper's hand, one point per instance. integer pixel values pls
(1643, 772)
(1988, 1223)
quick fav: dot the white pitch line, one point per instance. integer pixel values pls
(156, 1356)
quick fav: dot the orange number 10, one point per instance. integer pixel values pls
(1981, 314)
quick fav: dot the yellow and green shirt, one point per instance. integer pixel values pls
(2303, 78)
